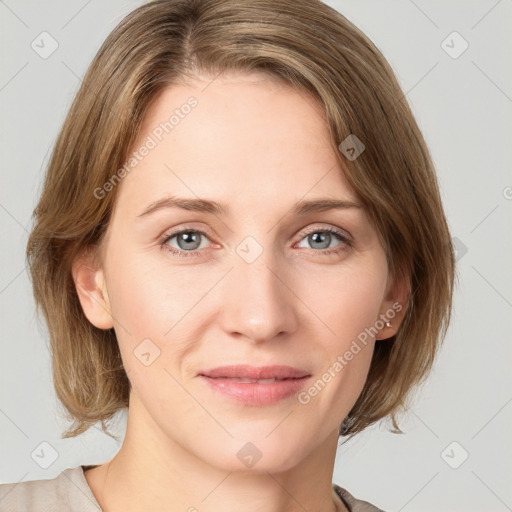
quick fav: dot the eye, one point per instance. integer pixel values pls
(322, 238)
(188, 242)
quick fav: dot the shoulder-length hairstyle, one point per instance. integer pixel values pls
(313, 48)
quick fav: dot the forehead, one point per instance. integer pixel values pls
(235, 136)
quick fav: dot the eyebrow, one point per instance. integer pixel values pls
(215, 208)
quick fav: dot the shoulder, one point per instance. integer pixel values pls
(352, 503)
(69, 489)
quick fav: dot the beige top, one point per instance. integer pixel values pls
(70, 490)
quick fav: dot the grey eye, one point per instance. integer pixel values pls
(321, 239)
(186, 240)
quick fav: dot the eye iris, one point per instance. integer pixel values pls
(189, 237)
(321, 237)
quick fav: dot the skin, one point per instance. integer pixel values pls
(257, 146)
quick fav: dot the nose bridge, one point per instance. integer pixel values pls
(258, 304)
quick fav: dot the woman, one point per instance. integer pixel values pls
(212, 145)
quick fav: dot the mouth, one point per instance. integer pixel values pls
(255, 386)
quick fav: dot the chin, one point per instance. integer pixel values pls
(258, 456)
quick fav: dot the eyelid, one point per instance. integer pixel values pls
(184, 228)
(331, 229)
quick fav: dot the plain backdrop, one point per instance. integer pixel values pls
(456, 454)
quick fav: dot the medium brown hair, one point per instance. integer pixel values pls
(313, 48)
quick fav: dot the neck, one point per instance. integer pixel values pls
(143, 476)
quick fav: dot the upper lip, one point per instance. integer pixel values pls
(255, 372)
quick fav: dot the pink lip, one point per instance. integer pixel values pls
(222, 379)
(255, 372)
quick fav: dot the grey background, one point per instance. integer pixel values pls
(463, 106)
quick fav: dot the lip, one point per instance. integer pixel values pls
(224, 380)
(255, 372)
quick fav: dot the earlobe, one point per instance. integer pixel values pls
(90, 285)
(394, 307)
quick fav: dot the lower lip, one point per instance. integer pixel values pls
(254, 393)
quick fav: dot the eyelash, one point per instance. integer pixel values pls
(346, 243)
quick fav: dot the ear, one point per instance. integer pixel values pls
(394, 307)
(90, 285)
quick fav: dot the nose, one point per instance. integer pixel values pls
(258, 303)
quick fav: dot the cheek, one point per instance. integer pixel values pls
(348, 303)
(145, 299)
(145, 308)
(136, 303)
(155, 309)
(347, 299)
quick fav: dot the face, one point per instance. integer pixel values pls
(258, 282)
